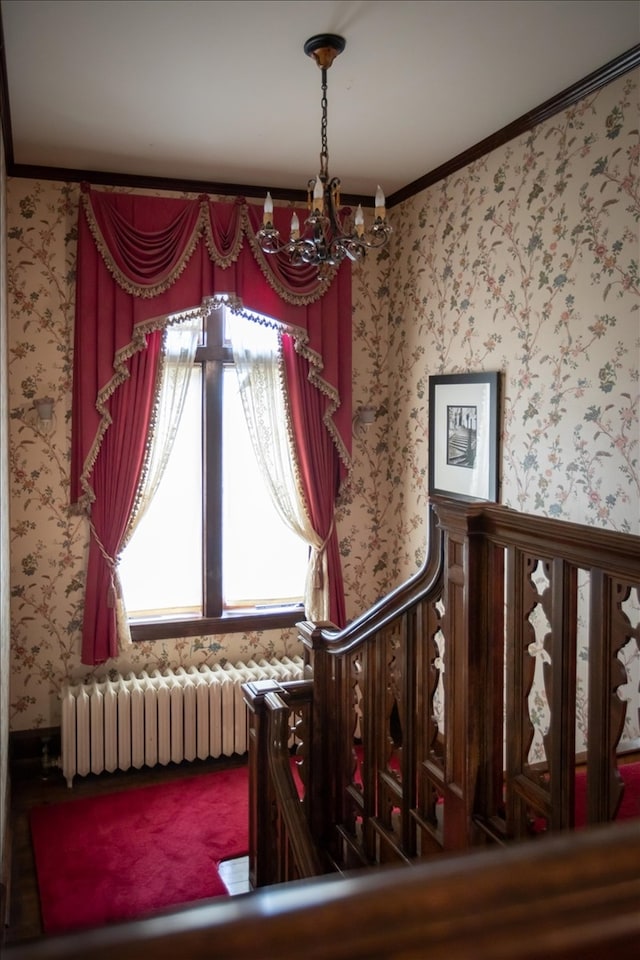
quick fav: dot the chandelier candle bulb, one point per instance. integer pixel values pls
(295, 227)
(359, 220)
(318, 194)
(267, 215)
(380, 210)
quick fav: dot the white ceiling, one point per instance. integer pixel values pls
(222, 92)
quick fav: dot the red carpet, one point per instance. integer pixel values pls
(630, 804)
(629, 808)
(125, 855)
(120, 856)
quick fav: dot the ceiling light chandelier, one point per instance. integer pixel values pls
(329, 234)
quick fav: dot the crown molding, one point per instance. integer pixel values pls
(594, 81)
(578, 91)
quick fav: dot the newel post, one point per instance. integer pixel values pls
(261, 859)
(322, 750)
(468, 676)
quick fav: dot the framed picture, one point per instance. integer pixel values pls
(463, 435)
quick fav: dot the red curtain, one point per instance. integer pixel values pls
(140, 260)
(319, 467)
(115, 481)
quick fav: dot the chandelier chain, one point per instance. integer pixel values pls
(324, 150)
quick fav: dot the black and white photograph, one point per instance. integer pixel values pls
(463, 435)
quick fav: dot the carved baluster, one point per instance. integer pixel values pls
(610, 631)
(522, 599)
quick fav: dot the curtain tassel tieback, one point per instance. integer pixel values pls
(113, 590)
(318, 575)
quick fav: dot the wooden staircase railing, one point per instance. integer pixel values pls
(417, 729)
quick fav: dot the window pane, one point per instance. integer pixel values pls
(263, 563)
(262, 559)
(161, 568)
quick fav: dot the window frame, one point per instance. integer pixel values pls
(213, 356)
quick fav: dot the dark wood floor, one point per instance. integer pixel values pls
(30, 788)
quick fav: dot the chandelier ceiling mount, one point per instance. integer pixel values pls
(324, 48)
(329, 234)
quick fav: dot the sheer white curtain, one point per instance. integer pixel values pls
(259, 364)
(179, 348)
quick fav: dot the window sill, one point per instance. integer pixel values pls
(240, 622)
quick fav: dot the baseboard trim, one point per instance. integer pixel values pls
(5, 866)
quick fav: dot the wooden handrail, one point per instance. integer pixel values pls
(386, 610)
(567, 897)
(580, 544)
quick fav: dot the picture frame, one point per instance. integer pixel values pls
(463, 435)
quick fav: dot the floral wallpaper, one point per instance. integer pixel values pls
(524, 262)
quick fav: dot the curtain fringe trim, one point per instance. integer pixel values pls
(137, 343)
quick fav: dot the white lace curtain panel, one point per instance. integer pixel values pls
(257, 354)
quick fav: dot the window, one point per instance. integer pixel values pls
(211, 554)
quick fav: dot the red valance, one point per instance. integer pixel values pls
(142, 259)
